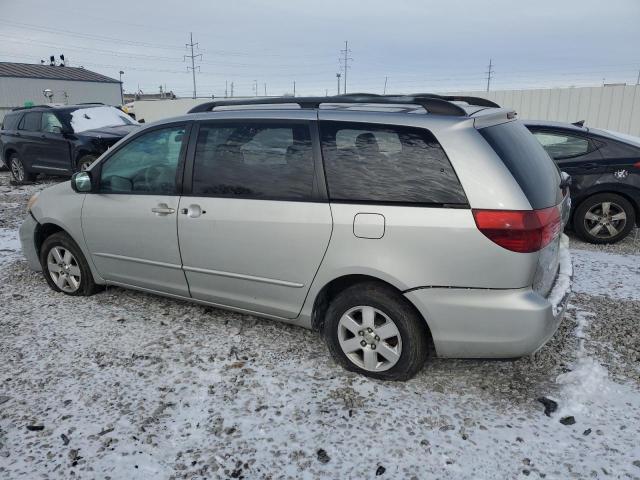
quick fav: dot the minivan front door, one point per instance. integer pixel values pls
(130, 224)
(253, 230)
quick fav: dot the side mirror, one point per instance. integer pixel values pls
(81, 182)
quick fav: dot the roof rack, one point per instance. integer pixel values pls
(436, 104)
(90, 103)
(432, 103)
(30, 107)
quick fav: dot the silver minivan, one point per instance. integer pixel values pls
(400, 227)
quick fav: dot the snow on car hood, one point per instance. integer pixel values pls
(94, 118)
(111, 132)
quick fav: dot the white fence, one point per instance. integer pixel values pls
(615, 107)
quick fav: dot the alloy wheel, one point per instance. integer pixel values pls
(64, 269)
(369, 338)
(605, 220)
(17, 169)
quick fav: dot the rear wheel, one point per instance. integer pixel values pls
(64, 266)
(604, 218)
(18, 171)
(371, 329)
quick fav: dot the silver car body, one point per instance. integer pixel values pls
(274, 258)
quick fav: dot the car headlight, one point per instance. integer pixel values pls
(32, 201)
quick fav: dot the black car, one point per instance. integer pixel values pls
(605, 171)
(59, 140)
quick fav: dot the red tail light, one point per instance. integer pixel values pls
(636, 165)
(522, 231)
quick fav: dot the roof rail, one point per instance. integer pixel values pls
(30, 107)
(90, 103)
(431, 103)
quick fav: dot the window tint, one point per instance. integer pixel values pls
(50, 123)
(271, 161)
(10, 122)
(147, 164)
(383, 163)
(559, 145)
(528, 162)
(31, 122)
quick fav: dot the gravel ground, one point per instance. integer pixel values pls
(129, 385)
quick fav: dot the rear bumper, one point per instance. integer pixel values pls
(28, 242)
(482, 323)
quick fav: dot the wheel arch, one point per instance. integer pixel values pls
(338, 284)
(7, 154)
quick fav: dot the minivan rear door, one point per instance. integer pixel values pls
(253, 223)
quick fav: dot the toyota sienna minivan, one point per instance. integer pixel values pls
(401, 227)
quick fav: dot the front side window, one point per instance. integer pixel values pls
(50, 123)
(31, 122)
(387, 164)
(254, 160)
(560, 145)
(145, 165)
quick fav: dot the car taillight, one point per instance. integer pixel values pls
(522, 231)
(636, 165)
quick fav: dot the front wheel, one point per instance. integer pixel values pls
(85, 162)
(604, 218)
(18, 171)
(64, 266)
(371, 329)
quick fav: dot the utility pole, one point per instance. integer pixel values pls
(294, 88)
(338, 75)
(193, 61)
(326, 92)
(265, 89)
(384, 91)
(489, 74)
(122, 90)
(345, 66)
(226, 88)
(638, 80)
(255, 87)
(231, 89)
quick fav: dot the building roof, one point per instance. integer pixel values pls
(29, 70)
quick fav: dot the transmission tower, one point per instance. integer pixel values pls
(489, 74)
(193, 61)
(344, 63)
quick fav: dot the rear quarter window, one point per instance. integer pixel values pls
(528, 162)
(387, 164)
(10, 121)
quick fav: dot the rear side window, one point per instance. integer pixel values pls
(31, 122)
(10, 122)
(254, 160)
(387, 164)
(560, 145)
(527, 161)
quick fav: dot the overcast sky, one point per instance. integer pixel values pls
(420, 45)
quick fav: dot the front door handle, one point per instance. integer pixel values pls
(163, 209)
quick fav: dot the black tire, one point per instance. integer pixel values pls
(593, 206)
(414, 334)
(19, 172)
(86, 286)
(85, 161)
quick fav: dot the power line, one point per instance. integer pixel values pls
(193, 60)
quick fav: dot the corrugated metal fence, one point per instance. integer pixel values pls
(613, 107)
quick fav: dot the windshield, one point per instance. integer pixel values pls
(92, 118)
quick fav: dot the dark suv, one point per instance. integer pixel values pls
(605, 171)
(59, 140)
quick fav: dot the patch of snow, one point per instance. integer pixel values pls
(562, 286)
(9, 246)
(609, 274)
(92, 118)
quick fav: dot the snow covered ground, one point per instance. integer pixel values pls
(125, 385)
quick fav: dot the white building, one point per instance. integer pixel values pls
(23, 84)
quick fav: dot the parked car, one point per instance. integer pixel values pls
(59, 140)
(605, 171)
(400, 227)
